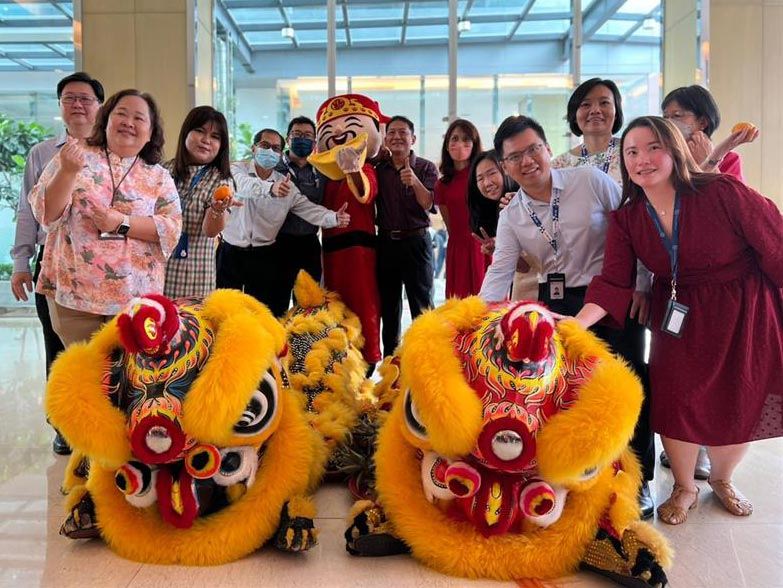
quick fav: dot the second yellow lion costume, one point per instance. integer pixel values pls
(505, 454)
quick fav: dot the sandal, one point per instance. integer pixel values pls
(731, 498)
(670, 513)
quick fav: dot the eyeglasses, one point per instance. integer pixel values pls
(267, 145)
(71, 99)
(519, 156)
(678, 114)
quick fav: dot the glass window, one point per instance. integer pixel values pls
(36, 51)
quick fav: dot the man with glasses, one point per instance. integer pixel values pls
(248, 256)
(298, 246)
(80, 97)
(559, 218)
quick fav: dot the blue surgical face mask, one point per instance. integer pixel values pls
(266, 158)
(301, 146)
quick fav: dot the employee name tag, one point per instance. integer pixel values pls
(674, 319)
(181, 252)
(556, 286)
(106, 236)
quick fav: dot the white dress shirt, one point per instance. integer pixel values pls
(257, 223)
(587, 196)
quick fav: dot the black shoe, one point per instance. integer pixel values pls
(60, 445)
(646, 504)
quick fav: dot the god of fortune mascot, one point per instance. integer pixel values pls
(189, 445)
(347, 134)
(505, 454)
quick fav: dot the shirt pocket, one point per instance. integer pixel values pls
(274, 210)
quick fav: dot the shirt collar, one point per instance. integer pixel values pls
(61, 139)
(558, 183)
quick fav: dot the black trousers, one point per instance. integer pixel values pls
(52, 343)
(295, 253)
(628, 343)
(254, 270)
(403, 262)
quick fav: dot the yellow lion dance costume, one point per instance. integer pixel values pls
(190, 445)
(505, 454)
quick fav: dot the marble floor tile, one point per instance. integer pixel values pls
(713, 549)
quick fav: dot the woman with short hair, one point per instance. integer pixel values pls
(112, 217)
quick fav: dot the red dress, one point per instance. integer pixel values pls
(349, 259)
(465, 264)
(720, 383)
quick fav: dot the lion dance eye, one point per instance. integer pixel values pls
(412, 418)
(261, 409)
(588, 474)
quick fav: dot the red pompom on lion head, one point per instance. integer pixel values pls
(148, 324)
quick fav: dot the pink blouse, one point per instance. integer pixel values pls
(83, 272)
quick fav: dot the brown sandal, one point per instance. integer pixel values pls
(670, 513)
(731, 498)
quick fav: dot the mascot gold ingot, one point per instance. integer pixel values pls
(190, 446)
(505, 454)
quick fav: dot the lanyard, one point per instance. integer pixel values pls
(672, 245)
(197, 177)
(607, 154)
(550, 237)
(115, 187)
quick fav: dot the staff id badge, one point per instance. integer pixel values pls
(674, 319)
(556, 286)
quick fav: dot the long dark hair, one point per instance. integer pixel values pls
(686, 175)
(196, 118)
(152, 152)
(483, 211)
(447, 168)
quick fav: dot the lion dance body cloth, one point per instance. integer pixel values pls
(505, 454)
(190, 444)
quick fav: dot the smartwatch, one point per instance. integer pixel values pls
(124, 226)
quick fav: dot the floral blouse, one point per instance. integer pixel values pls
(83, 272)
(599, 160)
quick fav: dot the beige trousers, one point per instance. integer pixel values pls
(73, 326)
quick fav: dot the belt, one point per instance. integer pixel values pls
(228, 245)
(396, 235)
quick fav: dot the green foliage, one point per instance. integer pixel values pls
(6, 269)
(242, 147)
(16, 139)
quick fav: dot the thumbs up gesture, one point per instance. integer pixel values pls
(72, 158)
(343, 218)
(282, 188)
(407, 177)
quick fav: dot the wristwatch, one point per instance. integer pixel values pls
(124, 226)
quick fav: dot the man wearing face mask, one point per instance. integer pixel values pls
(248, 257)
(297, 242)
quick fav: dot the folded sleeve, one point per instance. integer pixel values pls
(613, 288)
(37, 197)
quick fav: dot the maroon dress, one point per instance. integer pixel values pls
(465, 264)
(720, 383)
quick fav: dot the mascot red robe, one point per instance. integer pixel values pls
(348, 132)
